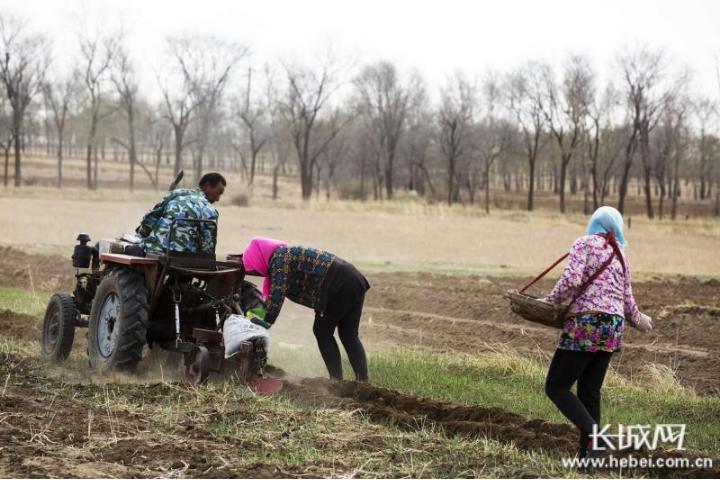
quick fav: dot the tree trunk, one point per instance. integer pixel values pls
(563, 176)
(60, 159)
(132, 150)
(179, 134)
(306, 175)
(253, 162)
(276, 169)
(531, 186)
(487, 190)
(158, 160)
(96, 160)
(90, 148)
(389, 173)
(648, 193)
(661, 200)
(451, 176)
(17, 146)
(7, 164)
(676, 187)
(88, 165)
(362, 178)
(629, 155)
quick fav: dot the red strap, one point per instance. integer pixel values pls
(534, 280)
(610, 238)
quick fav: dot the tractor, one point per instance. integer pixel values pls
(175, 302)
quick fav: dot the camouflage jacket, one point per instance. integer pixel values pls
(187, 236)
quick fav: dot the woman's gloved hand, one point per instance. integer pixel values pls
(257, 316)
(644, 323)
(261, 322)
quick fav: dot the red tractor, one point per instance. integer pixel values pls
(177, 302)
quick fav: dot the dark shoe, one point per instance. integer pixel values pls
(590, 455)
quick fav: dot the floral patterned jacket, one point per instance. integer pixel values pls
(610, 293)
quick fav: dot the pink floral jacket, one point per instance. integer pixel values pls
(610, 293)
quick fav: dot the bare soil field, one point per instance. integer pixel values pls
(409, 412)
(433, 312)
(51, 429)
(60, 423)
(467, 313)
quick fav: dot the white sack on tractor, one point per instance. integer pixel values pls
(238, 329)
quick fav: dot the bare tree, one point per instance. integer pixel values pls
(23, 63)
(159, 135)
(206, 63)
(665, 141)
(126, 85)
(280, 138)
(59, 97)
(306, 97)
(97, 52)
(644, 72)
(565, 110)
(705, 112)
(179, 106)
(416, 148)
(6, 135)
(385, 102)
(603, 147)
(677, 110)
(496, 132)
(525, 97)
(455, 118)
(252, 117)
(331, 158)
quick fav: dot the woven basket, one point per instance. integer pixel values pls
(536, 310)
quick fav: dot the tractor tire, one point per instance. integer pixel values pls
(58, 332)
(118, 322)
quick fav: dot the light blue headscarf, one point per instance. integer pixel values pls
(606, 220)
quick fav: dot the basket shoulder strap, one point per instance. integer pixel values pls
(545, 272)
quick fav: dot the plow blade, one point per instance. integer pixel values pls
(266, 386)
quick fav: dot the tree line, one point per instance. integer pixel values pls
(366, 131)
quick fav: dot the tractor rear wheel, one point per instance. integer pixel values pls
(118, 322)
(58, 330)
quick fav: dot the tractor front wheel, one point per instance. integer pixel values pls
(58, 330)
(118, 322)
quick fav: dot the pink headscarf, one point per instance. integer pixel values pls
(256, 258)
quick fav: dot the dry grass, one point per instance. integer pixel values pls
(402, 235)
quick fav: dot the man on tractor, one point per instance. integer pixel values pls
(180, 204)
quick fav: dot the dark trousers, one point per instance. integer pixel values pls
(588, 370)
(342, 313)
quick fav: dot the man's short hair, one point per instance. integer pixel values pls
(212, 179)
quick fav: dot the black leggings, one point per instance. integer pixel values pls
(588, 370)
(346, 318)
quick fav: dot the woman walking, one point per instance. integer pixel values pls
(334, 288)
(597, 283)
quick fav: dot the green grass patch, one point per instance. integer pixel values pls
(23, 301)
(517, 384)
